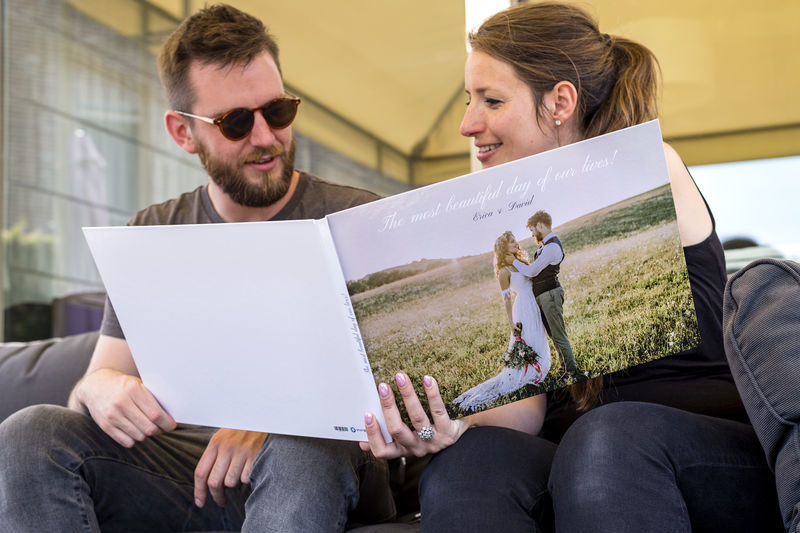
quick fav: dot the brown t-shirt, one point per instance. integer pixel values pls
(312, 199)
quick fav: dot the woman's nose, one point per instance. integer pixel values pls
(472, 123)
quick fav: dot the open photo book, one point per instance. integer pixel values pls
(287, 326)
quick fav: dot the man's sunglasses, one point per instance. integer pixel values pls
(237, 123)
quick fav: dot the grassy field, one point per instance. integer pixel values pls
(627, 302)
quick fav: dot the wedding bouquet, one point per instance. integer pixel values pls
(520, 354)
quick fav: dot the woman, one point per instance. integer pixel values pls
(525, 313)
(668, 448)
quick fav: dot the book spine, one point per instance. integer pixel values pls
(337, 276)
(351, 323)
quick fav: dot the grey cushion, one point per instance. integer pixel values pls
(761, 322)
(42, 371)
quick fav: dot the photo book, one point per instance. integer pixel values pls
(287, 326)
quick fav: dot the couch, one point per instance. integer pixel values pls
(45, 371)
(42, 371)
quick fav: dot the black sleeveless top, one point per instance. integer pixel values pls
(696, 380)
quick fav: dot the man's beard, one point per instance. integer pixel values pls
(539, 235)
(233, 182)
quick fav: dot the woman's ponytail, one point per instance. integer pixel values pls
(634, 97)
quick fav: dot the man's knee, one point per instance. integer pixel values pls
(318, 462)
(304, 451)
(34, 426)
(30, 435)
(292, 475)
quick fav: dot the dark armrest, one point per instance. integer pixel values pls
(42, 371)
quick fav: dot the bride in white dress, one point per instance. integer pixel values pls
(517, 287)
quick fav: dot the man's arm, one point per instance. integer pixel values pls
(551, 255)
(114, 396)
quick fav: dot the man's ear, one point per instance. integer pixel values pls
(178, 128)
(561, 101)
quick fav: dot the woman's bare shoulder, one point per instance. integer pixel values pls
(694, 220)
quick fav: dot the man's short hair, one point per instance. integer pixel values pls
(217, 35)
(540, 216)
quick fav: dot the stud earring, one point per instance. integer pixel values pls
(558, 122)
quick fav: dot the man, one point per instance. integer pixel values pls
(546, 287)
(115, 460)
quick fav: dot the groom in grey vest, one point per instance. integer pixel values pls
(546, 288)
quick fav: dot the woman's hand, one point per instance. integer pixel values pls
(407, 440)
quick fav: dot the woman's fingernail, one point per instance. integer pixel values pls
(383, 390)
(368, 418)
(197, 502)
(400, 379)
(427, 380)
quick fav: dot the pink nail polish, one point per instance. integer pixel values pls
(383, 390)
(428, 381)
(368, 418)
(400, 379)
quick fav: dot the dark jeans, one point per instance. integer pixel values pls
(626, 466)
(492, 479)
(631, 466)
(60, 472)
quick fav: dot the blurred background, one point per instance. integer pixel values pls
(83, 141)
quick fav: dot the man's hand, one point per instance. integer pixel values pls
(122, 406)
(227, 461)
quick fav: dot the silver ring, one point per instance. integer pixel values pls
(425, 433)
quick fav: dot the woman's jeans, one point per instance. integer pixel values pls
(60, 472)
(622, 467)
(491, 479)
(632, 467)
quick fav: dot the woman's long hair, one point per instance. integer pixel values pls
(617, 79)
(501, 251)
